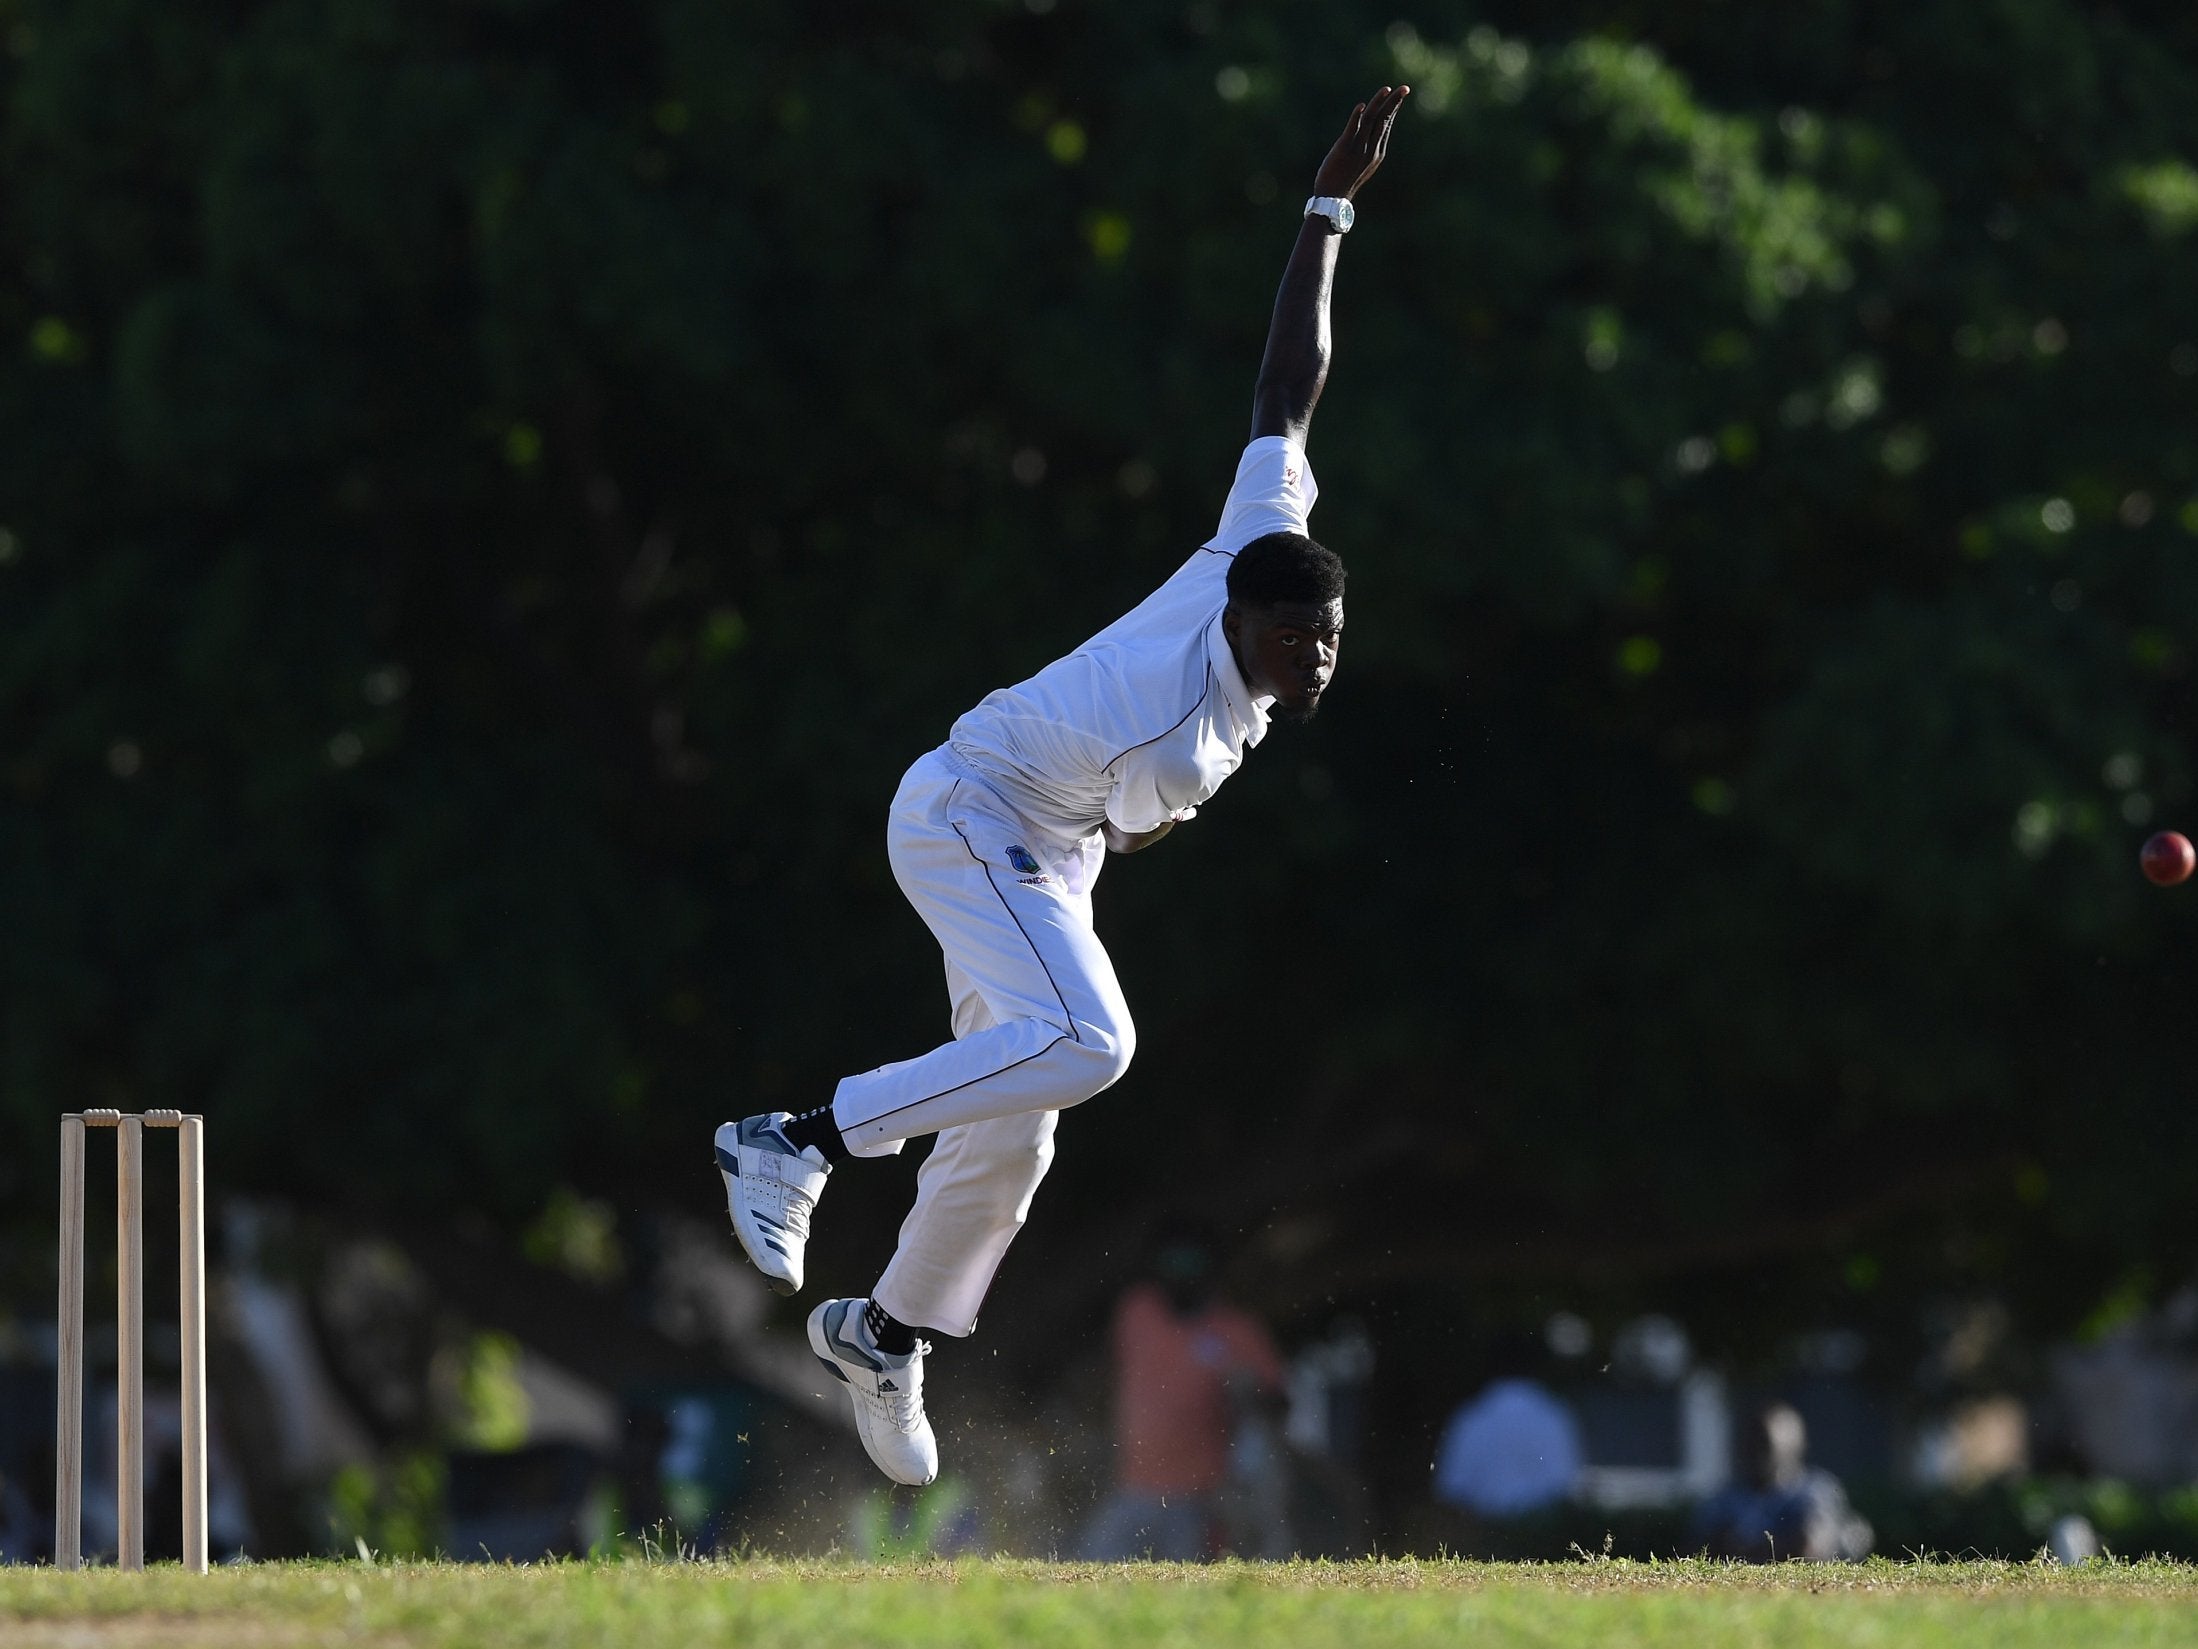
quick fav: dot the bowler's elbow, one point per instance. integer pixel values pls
(1284, 405)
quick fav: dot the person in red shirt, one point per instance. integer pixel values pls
(1188, 1368)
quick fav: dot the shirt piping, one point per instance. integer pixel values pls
(1205, 693)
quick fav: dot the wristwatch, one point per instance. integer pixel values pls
(1335, 209)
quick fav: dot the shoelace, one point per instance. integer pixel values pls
(904, 1407)
(796, 1207)
(794, 1202)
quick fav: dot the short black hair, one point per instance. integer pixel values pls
(1285, 566)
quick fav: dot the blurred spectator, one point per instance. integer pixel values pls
(2128, 1400)
(1189, 1371)
(1514, 1449)
(1779, 1507)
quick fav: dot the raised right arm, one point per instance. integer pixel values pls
(1296, 363)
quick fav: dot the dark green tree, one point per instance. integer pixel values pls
(492, 494)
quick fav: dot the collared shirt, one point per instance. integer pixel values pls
(1144, 721)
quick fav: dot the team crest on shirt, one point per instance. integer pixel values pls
(1022, 860)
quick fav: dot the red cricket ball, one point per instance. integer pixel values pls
(2168, 858)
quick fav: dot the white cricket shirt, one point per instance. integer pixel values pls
(1143, 722)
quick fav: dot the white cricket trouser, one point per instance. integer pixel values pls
(1039, 1025)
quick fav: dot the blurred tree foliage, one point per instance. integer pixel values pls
(492, 494)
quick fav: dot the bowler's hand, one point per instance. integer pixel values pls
(1121, 841)
(1358, 152)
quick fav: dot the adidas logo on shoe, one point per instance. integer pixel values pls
(885, 1388)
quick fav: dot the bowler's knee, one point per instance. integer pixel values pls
(1102, 1053)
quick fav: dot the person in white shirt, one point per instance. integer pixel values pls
(997, 836)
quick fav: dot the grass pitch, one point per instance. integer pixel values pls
(766, 1604)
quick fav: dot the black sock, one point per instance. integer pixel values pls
(817, 1128)
(887, 1332)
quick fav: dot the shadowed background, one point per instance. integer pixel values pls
(492, 496)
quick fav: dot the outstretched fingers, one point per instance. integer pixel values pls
(1380, 115)
(1387, 122)
(1358, 152)
(1371, 125)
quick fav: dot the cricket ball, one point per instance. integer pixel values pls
(2168, 858)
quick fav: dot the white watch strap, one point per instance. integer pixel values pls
(1334, 208)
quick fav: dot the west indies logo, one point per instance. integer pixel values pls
(1021, 859)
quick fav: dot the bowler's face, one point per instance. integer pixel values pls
(1287, 651)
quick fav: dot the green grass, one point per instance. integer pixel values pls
(765, 1604)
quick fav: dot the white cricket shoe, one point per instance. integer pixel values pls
(887, 1391)
(770, 1187)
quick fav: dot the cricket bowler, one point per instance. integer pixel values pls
(997, 838)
